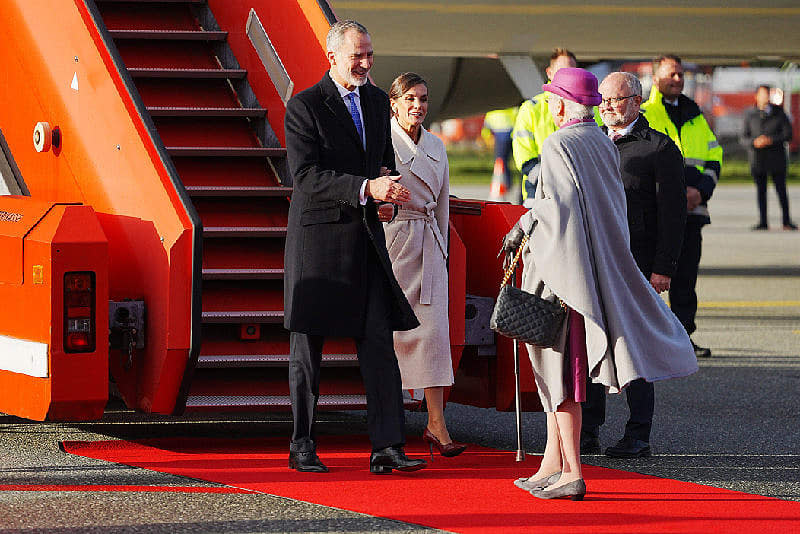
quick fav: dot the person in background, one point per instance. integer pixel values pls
(338, 280)
(766, 129)
(417, 243)
(651, 167)
(534, 124)
(500, 123)
(618, 329)
(680, 118)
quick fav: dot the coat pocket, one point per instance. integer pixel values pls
(398, 240)
(320, 214)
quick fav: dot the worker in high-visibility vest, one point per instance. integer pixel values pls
(679, 117)
(534, 124)
(498, 124)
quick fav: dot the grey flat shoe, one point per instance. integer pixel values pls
(527, 484)
(575, 490)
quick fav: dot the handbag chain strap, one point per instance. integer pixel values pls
(513, 265)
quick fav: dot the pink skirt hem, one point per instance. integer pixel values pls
(577, 359)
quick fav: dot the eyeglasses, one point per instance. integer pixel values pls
(615, 100)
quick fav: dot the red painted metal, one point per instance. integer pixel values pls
(491, 382)
(119, 159)
(297, 30)
(56, 239)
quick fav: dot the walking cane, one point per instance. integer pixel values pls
(517, 397)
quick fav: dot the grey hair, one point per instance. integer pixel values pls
(337, 31)
(574, 110)
(632, 81)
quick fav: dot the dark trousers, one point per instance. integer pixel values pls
(779, 179)
(641, 403)
(379, 371)
(682, 294)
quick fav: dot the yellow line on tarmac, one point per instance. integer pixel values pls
(750, 304)
(557, 9)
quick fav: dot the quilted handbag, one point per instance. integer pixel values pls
(524, 316)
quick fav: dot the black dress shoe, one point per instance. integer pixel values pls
(306, 462)
(789, 225)
(629, 448)
(383, 461)
(590, 444)
(759, 227)
(701, 352)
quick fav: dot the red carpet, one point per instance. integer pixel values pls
(470, 493)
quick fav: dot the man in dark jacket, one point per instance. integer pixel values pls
(338, 279)
(672, 113)
(651, 167)
(766, 129)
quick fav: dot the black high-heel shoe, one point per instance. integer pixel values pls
(447, 450)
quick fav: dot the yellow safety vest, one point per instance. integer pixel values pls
(695, 140)
(533, 125)
(500, 119)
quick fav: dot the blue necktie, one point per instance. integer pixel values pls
(351, 105)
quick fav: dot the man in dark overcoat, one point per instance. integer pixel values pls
(651, 167)
(766, 129)
(338, 279)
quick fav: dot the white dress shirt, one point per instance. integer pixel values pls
(343, 92)
(622, 131)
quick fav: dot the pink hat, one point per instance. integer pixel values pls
(574, 84)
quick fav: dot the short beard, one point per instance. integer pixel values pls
(352, 80)
(357, 82)
(616, 119)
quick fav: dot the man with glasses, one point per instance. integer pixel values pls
(651, 167)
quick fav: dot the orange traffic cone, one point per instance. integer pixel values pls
(497, 190)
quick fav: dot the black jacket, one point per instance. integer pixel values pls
(651, 167)
(773, 123)
(329, 232)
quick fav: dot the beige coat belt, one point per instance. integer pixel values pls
(432, 235)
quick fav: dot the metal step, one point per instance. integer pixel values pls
(242, 274)
(272, 401)
(269, 360)
(262, 316)
(326, 402)
(148, 72)
(162, 111)
(223, 151)
(170, 35)
(238, 191)
(244, 231)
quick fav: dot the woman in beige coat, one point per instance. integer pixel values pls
(417, 242)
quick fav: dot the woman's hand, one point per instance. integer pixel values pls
(510, 244)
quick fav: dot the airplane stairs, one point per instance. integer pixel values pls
(230, 163)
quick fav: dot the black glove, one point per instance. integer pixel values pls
(511, 243)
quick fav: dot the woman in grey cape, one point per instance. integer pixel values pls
(618, 329)
(417, 242)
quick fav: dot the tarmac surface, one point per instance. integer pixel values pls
(735, 424)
